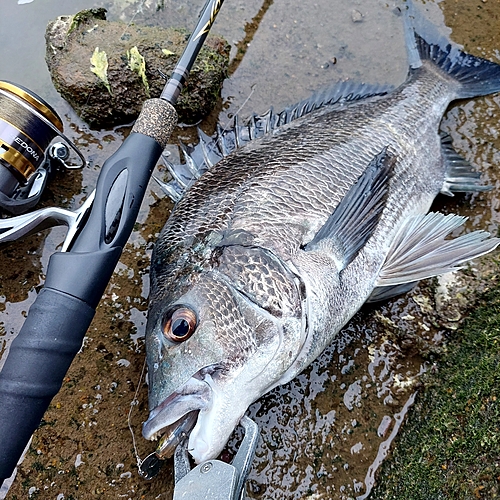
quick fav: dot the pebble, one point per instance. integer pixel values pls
(356, 16)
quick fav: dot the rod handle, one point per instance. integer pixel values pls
(34, 370)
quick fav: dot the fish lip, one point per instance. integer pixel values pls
(194, 395)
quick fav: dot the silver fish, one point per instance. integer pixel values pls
(272, 250)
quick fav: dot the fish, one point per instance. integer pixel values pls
(294, 223)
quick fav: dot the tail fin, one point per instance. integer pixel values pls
(476, 76)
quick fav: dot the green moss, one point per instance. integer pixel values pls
(38, 466)
(207, 76)
(450, 446)
(84, 16)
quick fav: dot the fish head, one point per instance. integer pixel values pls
(215, 350)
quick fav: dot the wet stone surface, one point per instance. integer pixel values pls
(324, 434)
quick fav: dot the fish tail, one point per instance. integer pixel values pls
(475, 76)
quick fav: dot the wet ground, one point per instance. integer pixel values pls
(324, 434)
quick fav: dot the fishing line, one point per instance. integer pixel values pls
(25, 121)
(28, 154)
(39, 113)
(241, 107)
(139, 9)
(129, 419)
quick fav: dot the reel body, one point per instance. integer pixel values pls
(28, 126)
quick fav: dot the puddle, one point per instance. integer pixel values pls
(324, 434)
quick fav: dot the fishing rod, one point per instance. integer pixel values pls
(53, 332)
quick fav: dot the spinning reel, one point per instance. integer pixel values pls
(28, 155)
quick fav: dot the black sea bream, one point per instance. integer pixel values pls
(272, 250)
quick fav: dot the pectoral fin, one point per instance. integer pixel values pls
(420, 250)
(356, 216)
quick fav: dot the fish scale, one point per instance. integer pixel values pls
(332, 206)
(326, 200)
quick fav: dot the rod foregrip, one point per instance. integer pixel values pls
(34, 370)
(157, 120)
(124, 178)
(119, 193)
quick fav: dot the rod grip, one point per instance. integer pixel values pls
(34, 370)
(157, 120)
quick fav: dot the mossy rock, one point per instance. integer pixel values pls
(106, 69)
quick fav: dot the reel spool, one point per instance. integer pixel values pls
(28, 125)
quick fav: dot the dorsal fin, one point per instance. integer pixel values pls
(210, 150)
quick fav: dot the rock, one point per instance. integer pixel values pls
(106, 69)
(356, 16)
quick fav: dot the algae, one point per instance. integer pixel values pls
(99, 62)
(450, 446)
(137, 63)
(84, 16)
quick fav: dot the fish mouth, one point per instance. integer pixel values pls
(173, 417)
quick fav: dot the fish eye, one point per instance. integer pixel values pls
(180, 324)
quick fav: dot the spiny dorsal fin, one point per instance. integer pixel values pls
(257, 126)
(460, 174)
(356, 216)
(420, 250)
(210, 150)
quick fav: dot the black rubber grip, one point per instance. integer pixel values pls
(119, 193)
(52, 334)
(38, 360)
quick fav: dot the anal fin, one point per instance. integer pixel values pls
(421, 251)
(356, 216)
(460, 174)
